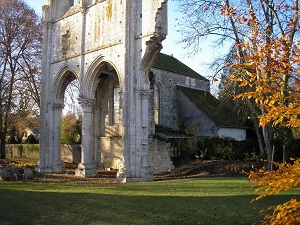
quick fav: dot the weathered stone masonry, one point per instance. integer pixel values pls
(106, 45)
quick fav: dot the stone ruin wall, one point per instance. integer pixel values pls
(79, 40)
(167, 82)
(159, 154)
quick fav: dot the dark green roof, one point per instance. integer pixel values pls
(169, 63)
(169, 133)
(212, 107)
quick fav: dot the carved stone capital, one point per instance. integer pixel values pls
(144, 94)
(86, 104)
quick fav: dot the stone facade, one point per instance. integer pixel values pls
(205, 116)
(127, 87)
(109, 46)
(167, 83)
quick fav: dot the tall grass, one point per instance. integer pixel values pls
(184, 201)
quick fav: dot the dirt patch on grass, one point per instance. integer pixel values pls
(186, 170)
(209, 168)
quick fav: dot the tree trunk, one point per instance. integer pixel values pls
(2, 135)
(253, 113)
(2, 148)
(262, 151)
(268, 139)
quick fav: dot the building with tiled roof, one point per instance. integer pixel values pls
(182, 101)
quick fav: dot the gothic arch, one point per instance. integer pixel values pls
(65, 75)
(89, 85)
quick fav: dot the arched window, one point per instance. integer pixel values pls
(116, 104)
(156, 104)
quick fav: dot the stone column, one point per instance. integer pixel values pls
(96, 128)
(137, 154)
(50, 148)
(145, 168)
(58, 164)
(87, 167)
(45, 160)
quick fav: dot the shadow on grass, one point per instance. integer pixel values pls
(25, 207)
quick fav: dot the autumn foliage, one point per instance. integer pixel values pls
(285, 178)
(270, 60)
(272, 72)
(271, 67)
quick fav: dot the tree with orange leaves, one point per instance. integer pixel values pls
(266, 65)
(271, 65)
(285, 178)
(235, 21)
(269, 57)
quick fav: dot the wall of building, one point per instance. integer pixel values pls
(167, 82)
(195, 119)
(201, 125)
(238, 134)
(160, 153)
(69, 153)
(111, 150)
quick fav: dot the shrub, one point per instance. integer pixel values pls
(224, 148)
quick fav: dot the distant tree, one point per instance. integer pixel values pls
(71, 99)
(71, 129)
(20, 57)
(245, 109)
(22, 121)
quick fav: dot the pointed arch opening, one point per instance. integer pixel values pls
(67, 115)
(108, 117)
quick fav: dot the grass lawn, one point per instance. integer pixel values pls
(182, 201)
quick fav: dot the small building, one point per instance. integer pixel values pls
(182, 101)
(201, 112)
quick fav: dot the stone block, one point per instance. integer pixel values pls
(10, 173)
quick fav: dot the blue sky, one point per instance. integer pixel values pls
(199, 63)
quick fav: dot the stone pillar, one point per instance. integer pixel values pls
(58, 164)
(145, 168)
(45, 160)
(137, 155)
(87, 167)
(97, 132)
(50, 153)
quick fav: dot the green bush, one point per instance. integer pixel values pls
(216, 148)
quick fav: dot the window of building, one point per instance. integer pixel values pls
(66, 42)
(116, 104)
(156, 104)
(74, 2)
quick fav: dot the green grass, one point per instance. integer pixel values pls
(184, 201)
